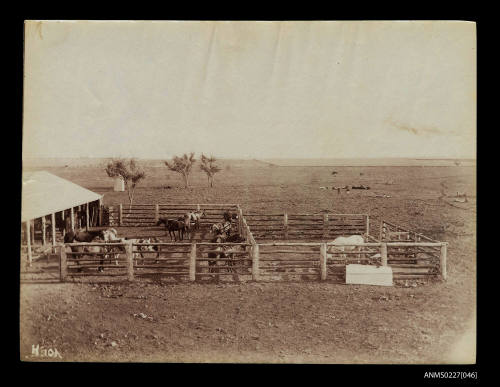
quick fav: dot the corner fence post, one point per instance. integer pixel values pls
(444, 274)
(322, 261)
(255, 261)
(383, 253)
(367, 224)
(130, 261)
(120, 215)
(157, 213)
(63, 265)
(192, 263)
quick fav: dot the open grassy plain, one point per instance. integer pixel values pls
(275, 322)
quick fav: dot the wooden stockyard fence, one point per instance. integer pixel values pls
(276, 247)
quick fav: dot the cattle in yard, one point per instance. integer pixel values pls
(81, 236)
(343, 244)
(186, 219)
(195, 217)
(83, 250)
(171, 226)
(226, 251)
(229, 217)
(144, 250)
(221, 228)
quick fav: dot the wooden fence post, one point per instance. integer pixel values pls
(383, 254)
(367, 224)
(130, 261)
(444, 274)
(325, 226)
(28, 241)
(255, 261)
(63, 265)
(157, 213)
(240, 218)
(322, 261)
(120, 214)
(53, 221)
(285, 225)
(192, 263)
(44, 229)
(382, 230)
(198, 208)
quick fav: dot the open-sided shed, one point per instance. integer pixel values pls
(45, 195)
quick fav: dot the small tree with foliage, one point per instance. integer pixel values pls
(129, 171)
(182, 165)
(208, 166)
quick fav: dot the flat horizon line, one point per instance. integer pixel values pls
(261, 158)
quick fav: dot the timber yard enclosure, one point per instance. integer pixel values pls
(409, 254)
(414, 321)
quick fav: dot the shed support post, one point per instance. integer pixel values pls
(87, 212)
(100, 212)
(64, 223)
(44, 229)
(72, 214)
(53, 221)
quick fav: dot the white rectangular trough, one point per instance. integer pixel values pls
(368, 275)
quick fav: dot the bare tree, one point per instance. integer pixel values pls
(208, 166)
(129, 171)
(182, 165)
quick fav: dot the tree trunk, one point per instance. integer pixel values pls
(186, 184)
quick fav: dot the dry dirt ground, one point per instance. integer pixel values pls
(291, 322)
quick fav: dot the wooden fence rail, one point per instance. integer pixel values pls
(260, 260)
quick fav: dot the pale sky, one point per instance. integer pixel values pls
(250, 89)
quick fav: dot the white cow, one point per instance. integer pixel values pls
(342, 244)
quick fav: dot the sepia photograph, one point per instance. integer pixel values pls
(264, 192)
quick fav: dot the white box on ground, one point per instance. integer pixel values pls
(368, 275)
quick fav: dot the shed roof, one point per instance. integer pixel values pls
(44, 193)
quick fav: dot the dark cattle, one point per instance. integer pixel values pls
(83, 236)
(172, 225)
(229, 217)
(221, 229)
